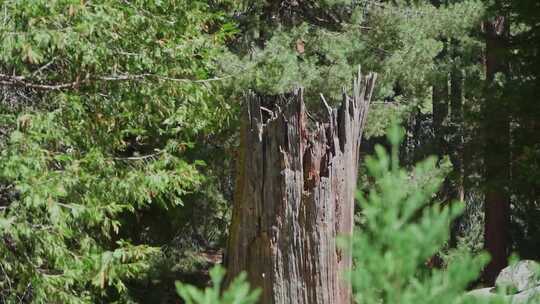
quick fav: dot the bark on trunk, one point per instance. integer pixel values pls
(295, 194)
(497, 151)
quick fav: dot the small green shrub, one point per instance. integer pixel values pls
(238, 291)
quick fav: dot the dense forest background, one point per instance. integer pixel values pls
(119, 126)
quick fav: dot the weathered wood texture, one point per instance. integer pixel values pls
(295, 194)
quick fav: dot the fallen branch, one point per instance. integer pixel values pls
(21, 81)
(143, 157)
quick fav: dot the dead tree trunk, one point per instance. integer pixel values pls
(295, 194)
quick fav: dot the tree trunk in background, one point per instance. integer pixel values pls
(440, 101)
(440, 114)
(294, 195)
(456, 130)
(497, 150)
(455, 147)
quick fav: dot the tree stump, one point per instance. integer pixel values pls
(294, 195)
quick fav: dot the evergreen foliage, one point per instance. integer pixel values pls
(522, 87)
(118, 127)
(120, 91)
(319, 44)
(402, 228)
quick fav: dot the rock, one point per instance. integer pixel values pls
(489, 295)
(483, 292)
(521, 281)
(531, 295)
(519, 277)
